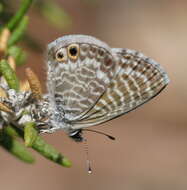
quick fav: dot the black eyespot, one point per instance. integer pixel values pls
(73, 51)
(60, 55)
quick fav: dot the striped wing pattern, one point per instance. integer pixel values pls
(137, 79)
(101, 84)
(78, 84)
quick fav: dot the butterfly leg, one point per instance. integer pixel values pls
(49, 130)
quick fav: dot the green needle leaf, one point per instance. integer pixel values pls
(18, 54)
(49, 152)
(46, 150)
(30, 134)
(11, 132)
(9, 75)
(15, 147)
(12, 24)
(19, 31)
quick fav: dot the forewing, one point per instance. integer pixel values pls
(136, 80)
(78, 84)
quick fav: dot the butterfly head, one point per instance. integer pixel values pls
(76, 135)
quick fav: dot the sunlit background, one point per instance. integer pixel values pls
(151, 147)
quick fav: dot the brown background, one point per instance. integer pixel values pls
(151, 147)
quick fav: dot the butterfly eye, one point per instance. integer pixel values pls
(60, 55)
(73, 51)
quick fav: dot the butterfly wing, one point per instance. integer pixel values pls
(136, 80)
(76, 85)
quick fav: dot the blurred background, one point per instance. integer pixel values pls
(151, 147)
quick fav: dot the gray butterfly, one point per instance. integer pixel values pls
(90, 83)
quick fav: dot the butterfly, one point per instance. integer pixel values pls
(90, 83)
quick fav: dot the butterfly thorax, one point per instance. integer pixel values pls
(58, 121)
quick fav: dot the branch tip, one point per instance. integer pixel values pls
(5, 34)
(11, 62)
(34, 83)
(24, 86)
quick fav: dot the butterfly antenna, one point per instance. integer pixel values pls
(87, 156)
(99, 132)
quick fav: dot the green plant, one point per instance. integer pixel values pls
(12, 135)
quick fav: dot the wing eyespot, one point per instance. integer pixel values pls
(73, 51)
(60, 55)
